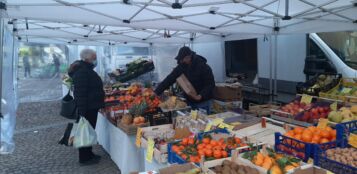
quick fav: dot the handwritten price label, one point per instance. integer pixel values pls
(322, 123)
(346, 90)
(333, 106)
(138, 138)
(306, 99)
(227, 126)
(208, 127)
(217, 121)
(194, 114)
(150, 150)
(352, 140)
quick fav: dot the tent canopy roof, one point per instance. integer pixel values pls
(175, 21)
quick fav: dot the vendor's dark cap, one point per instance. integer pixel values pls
(183, 52)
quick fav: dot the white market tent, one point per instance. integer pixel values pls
(99, 22)
(174, 21)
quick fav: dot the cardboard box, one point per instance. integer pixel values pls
(186, 85)
(160, 154)
(177, 168)
(227, 92)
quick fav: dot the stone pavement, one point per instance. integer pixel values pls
(35, 89)
(38, 129)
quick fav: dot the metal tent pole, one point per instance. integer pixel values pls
(2, 15)
(271, 69)
(275, 65)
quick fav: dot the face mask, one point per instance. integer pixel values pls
(95, 63)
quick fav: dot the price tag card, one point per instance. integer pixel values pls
(217, 121)
(346, 90)
(194, 114)
(310, 161)
(306, 99)
(138, 138)
(352, 140)
(328, 172)
(322, 123)
(227, 126)
(150, 150)
(333, 106)
(208, 127)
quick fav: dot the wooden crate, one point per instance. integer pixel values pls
(131, 129)
(262, 110)
(257, 134)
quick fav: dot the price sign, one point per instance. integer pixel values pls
(352, 140)
(217, 121)
(346, 90)
(310, 161)
(322, 123)
(333, 106)
(138, 138)
(227, 126)
(194, 114)
(208, 127)
(306, 99)
(328, 172)
(150, 150)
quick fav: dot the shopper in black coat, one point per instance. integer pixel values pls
(88, 94)
(197, 72)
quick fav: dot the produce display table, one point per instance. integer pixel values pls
(122, 149)
(154, 165)
(119, 146)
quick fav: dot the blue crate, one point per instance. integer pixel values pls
(292, 146)
(322, 161)
(343, 131)
(174, 158)
(171, 156)
(298, 148)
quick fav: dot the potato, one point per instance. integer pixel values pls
(226, 171)
(241, 171)
(233, 172)
(226, 163)
(329, 153)
(234, 166)
(255, 171)
(218, 169)
(351, 163)
(227, 168)
(354, 155)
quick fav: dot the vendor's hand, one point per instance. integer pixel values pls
(195, 97)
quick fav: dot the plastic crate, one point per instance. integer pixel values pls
(344, 82)
(343, 131)
(171, 156)
(298, 148)
(302, 88)
(322, 161)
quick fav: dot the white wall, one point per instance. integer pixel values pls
(291, 57)
(214, 53)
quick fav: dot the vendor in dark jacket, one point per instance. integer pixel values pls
(89, 96)
(195, 68)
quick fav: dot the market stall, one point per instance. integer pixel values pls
(317, 125)
(290, 138)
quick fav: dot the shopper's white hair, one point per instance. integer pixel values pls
(87, 54)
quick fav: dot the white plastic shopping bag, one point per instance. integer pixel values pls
(85, 135)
